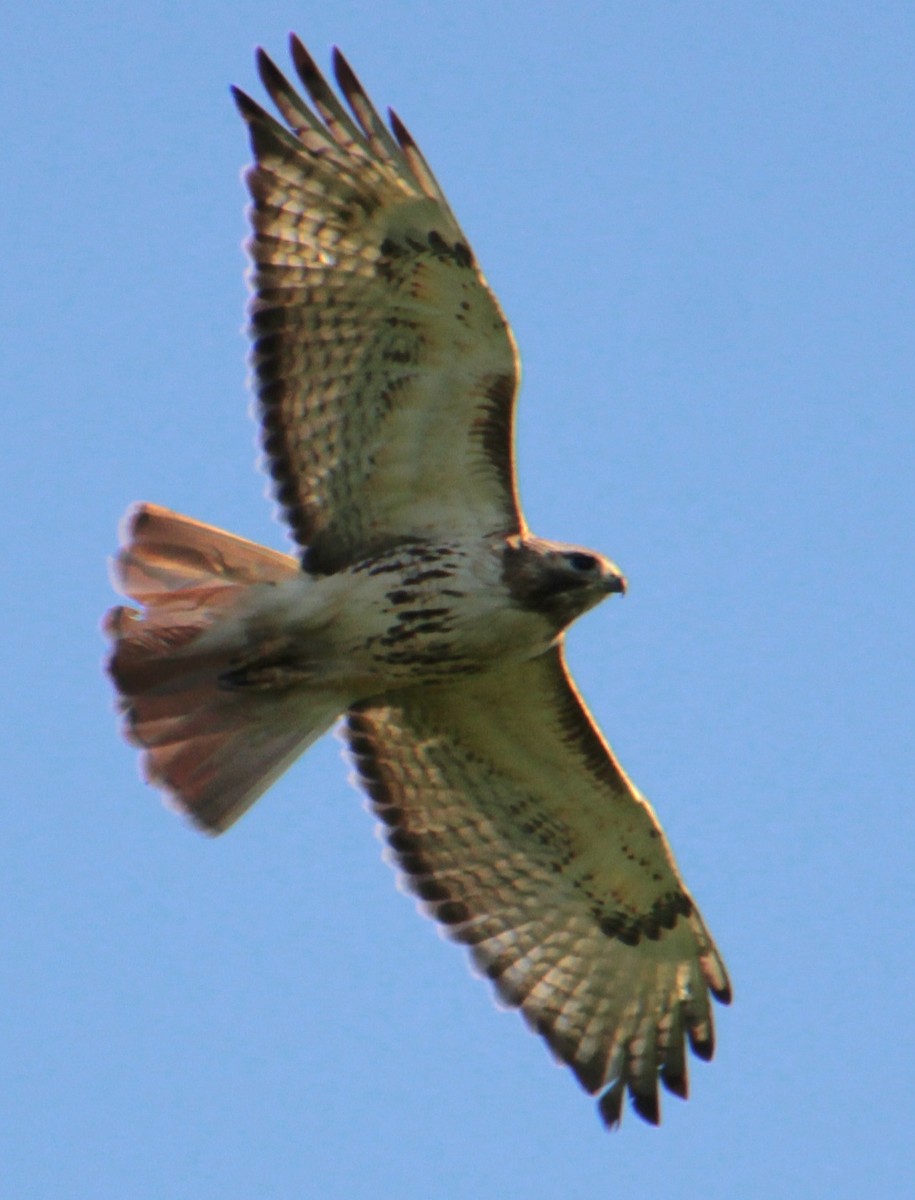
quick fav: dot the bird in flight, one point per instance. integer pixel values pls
(419, 608)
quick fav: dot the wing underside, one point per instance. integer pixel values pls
(515, 827)
(385, 370)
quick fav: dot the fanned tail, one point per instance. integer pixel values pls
(213, 747)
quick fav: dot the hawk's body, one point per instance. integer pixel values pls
(422, 607)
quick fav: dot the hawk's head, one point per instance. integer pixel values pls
(558, 580)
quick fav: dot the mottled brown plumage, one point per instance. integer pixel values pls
(420, 606)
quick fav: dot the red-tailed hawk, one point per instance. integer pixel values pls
(420, 608)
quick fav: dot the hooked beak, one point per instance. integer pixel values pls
(615, 582)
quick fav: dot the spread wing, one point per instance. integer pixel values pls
(385, 370)
(517, 829)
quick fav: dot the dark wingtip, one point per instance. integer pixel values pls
(266, 67)
(305, 65)
(610, 1105)
(676, 1080)
(346, 77)
(249, 109)
(702, 1047)
(647, 1104)
(723, 994)
(403, 135)
(340, 65)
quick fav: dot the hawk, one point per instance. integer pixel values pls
(419, 607)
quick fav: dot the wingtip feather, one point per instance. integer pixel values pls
(346, 77)
(306, 67)
(267, 69)
(646, 1103)
(702, 1042)
(610, 1105)
(403, 135)
(341, 66)
(675, 1080)
(249, 109)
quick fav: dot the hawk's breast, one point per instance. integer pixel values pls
(431, 612)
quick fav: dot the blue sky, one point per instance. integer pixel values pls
(698, 217)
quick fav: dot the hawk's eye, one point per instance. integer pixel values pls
(581, 562)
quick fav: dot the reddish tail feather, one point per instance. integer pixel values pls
(212, 748)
